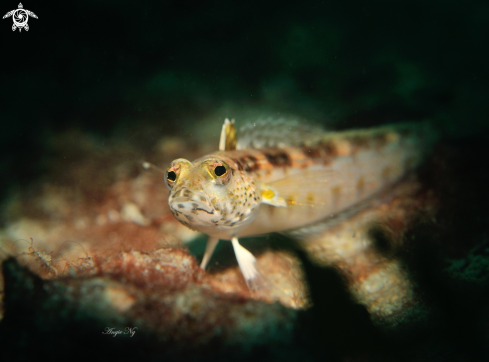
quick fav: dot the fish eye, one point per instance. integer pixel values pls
(170, 178)
(220, 171)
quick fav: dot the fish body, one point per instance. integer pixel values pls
(277, 184)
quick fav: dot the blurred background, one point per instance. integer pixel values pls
(131, 73)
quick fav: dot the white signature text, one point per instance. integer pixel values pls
(114, 332)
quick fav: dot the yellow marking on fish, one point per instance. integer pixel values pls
(272, 197)
(290, 200)
(310, 198)
(336, 191)
(267, 194)
(336, 194)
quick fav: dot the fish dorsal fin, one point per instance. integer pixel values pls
(228, 136)
(278, 132)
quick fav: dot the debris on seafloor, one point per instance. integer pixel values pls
(112, 250)
(102, 239)
(376, 278)
(162, 293)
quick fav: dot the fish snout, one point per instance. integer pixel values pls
(185, 200)
(181, 193)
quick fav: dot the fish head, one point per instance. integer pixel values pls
(211, 195)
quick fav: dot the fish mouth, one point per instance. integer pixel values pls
(186, 203)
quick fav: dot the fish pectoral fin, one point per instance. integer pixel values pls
(209, 250)
(270, 196)
(246, 262)
(306, 188)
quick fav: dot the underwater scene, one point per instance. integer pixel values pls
(234, 181)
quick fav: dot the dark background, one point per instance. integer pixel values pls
(140, 70)
(107, 66)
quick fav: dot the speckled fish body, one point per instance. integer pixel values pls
(316, 181)
(284, 185)
(339, 172)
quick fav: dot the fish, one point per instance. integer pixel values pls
(283, 174)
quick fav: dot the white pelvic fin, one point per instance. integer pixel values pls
(246, 262)
(209, 250)
(228, 136)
